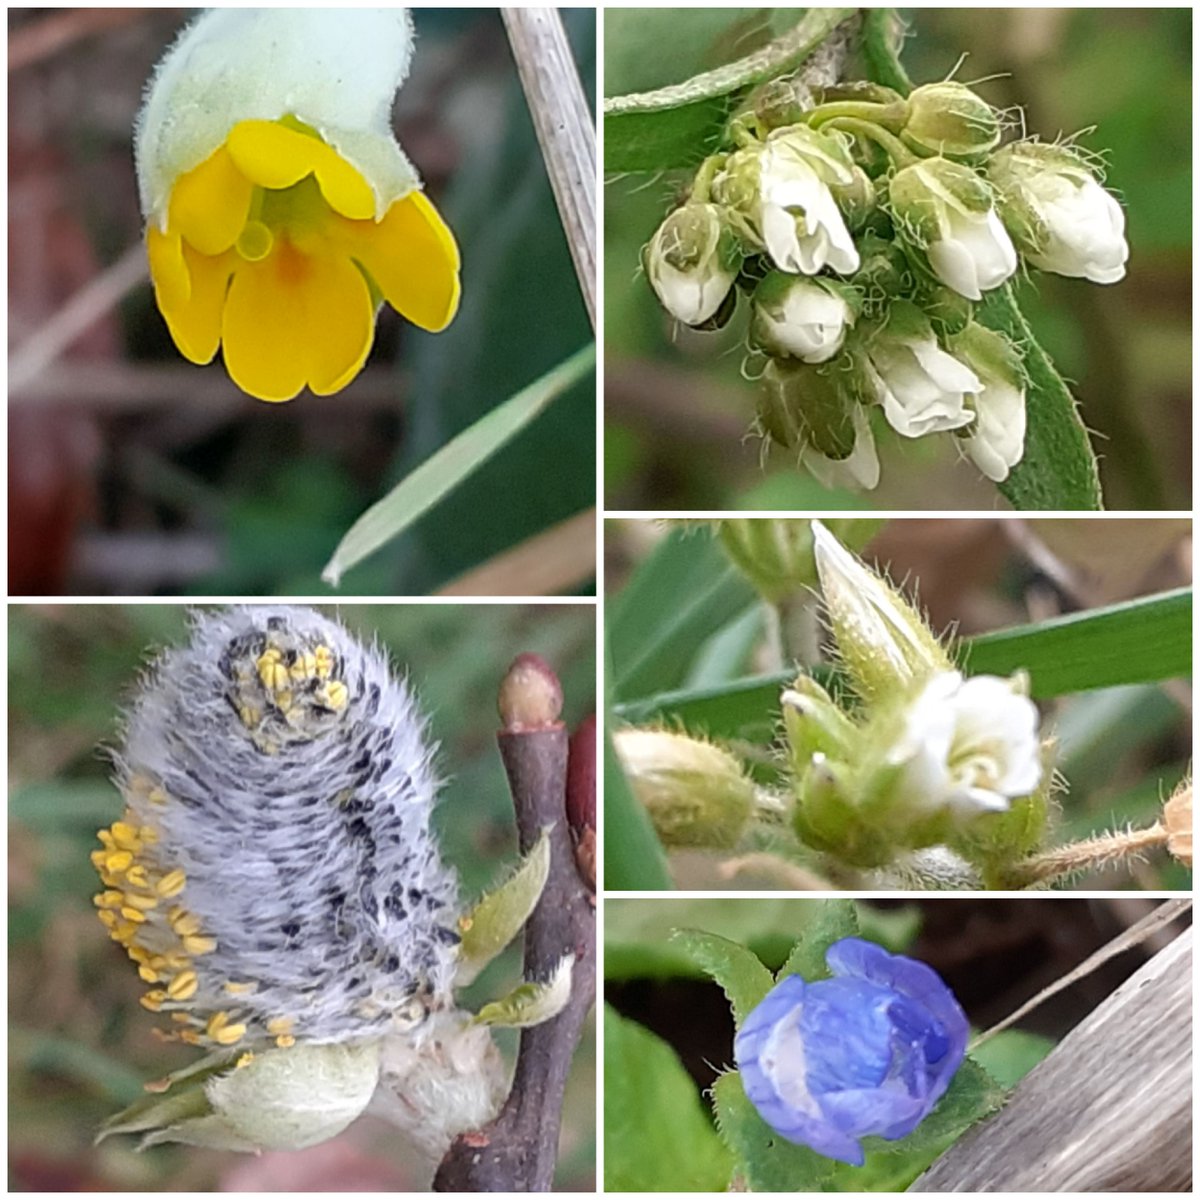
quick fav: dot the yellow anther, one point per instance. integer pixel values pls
(140, 901)
(324, 661)
(336, 694)
(109, 899)
(172, 883)
(249, 716)
(305, 667)
(196, 946)
(157, 796)
(126, 836)
(185, 924)
(283, 701)
(245, 1060)
(284, 1040)
(216, 1022)
(230, 1035)
(241, 989)
(133, 914)
(119, 860)
(108, 917)
(140, 954)
(181, 1018)
(99, 859)
(183, 986)
(106, 837)
(137, 876)
(190, 1036)
(148, 975)
(148, 834)
(153, 1000)
(280, 1025)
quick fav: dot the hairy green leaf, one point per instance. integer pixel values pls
(743, 978)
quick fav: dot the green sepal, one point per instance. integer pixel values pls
(530, 1002)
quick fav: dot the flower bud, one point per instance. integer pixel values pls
(692, 261)
(696, 793)
(995, 440)
(781, 194)
(279, 207)
(803, 405)
(883, 642)
(922, 388)
(1060, 217)
(801, 318)
(859, 470)
(868, 1052)
(945, 209)
(950, 120)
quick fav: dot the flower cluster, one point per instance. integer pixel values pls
(927, 758)
(864, 227)
(276, 880)
(280, 210)
(868, 1052)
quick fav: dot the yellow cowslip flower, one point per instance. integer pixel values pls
(280, 210)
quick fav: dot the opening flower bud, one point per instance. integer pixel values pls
(801, 318)
(696, 793)
(1061, 218)
(692, 261)
(950, 120)
(995, 440)
(945, 209)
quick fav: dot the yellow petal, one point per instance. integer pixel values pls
(209, 204)
(196, 325)
(295, 319)
(413, 259)
(172, 284)
(274, 156)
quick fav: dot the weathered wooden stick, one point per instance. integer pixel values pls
(566, 130)
(1110, 1109)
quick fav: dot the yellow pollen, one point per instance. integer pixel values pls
(148, 975)
(181, 1018)
(336, 693)
(157, 796)
(183, 986)
(196, 946)
(305, 667)
(249, 716)
(324, 661)
(109, 899)
(133, 914)
(283, 700)
(119, 860)
(245, 1060)
(148, 834)
(126, 836)
(229, 1035)
(190, 1036)
(185, 924)
(99, 859)
(285, 1040)
(171, 884)
(108, 917)
(216, 1022)
(138, 900)
(153, 1000)
(106, 837)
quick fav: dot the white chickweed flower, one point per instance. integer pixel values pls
(801, 318)
(691, 262)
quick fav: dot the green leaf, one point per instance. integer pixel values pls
(454, 462)
(835, 919)
(1140, 641)
(1011, 1055)
(1058, 469)
(677, 126)
(767, 1162)
(680, 595)
(657, 1136)
(743, 978)
(745, 708)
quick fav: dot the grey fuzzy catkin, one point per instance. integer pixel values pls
(302, 828)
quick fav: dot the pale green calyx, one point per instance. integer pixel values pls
(882, 640)
(336, 70)
(950, 120)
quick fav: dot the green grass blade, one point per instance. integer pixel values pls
(443, 471)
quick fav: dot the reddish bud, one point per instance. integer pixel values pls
(581, 776)
(530, 695)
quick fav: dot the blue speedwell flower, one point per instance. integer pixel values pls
(868, 1052)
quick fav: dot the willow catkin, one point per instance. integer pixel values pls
(274, 874)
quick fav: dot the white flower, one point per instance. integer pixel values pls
(1085, 228)
(1063, 220)
(950, 209)
(860, 470)
(968, 745)
(996, 439)
(801, 223)
(921, 387)
(800, 318)
(691, 263)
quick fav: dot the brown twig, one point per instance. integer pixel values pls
(517, 1152)
(565, 129)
